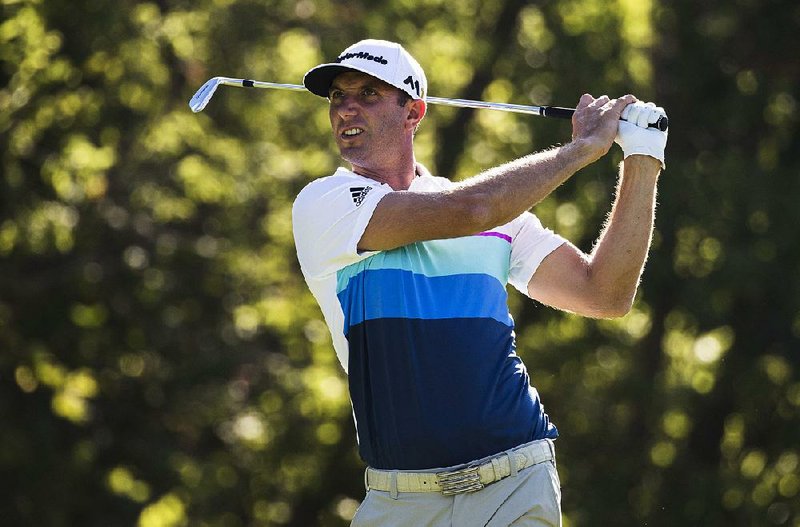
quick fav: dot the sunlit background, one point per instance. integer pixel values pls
(162, 363)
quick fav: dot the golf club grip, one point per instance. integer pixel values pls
(558, 111)
(566, 113)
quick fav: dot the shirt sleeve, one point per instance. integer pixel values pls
(329, 217)
(530, 246)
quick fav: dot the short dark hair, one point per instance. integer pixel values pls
(402, 97)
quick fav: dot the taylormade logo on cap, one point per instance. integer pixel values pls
(362, 55)
(387, 61)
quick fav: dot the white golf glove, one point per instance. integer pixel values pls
(634, 134)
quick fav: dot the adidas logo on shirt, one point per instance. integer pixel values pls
(359, 193)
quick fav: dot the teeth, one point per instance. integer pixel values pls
(353, 131)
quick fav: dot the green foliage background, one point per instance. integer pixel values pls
(163, 364)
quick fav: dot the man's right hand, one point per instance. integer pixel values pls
(595, 123)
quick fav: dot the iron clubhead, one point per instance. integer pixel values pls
(204, 94)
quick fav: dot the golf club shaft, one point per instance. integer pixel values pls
(203, 95)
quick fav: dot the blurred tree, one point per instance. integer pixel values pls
(163, 363)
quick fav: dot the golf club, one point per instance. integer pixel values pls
(200, 99)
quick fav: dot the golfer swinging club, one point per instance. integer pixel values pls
(410, 271)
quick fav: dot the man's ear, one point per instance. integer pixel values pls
(416, 111)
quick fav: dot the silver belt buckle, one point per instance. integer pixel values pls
(459, 481)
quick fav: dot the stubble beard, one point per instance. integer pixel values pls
(355, 155)
(368, 155)
(374, 152)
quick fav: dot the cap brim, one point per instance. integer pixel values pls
(318, 80)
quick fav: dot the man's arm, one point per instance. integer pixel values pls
(500, 194)
(603, 283)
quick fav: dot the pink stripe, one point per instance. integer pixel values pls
(506, 237)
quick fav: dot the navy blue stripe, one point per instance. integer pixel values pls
(427, 393)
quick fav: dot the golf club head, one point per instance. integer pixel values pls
(204, 94)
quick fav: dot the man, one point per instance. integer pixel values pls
(410, 271)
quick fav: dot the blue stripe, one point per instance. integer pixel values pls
(396, 293)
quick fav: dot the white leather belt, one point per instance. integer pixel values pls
(467, 479)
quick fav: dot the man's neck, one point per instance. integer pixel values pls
(399, 177)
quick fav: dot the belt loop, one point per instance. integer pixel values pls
(393, 485)
(512, 463)
(366, 479)
(552, 447)
(498, 474)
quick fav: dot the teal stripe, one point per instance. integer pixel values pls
(486, 255)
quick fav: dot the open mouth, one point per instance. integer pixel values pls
(352, 132)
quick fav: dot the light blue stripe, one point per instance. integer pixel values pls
(397, 293)
(488, 255)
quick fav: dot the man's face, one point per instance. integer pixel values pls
(368, 122)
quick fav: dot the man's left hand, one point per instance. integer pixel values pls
(635, 135)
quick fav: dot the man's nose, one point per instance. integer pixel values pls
(348, 106)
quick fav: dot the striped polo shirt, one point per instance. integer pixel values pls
(423, 330)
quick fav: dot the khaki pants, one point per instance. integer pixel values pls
(530, 498)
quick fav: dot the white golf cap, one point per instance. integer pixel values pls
(387, 61)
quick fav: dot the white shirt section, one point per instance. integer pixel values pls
(531, 243)
(329, 217)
